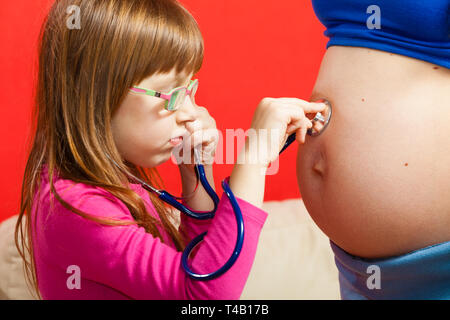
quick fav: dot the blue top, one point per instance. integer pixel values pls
(415, 28)
(420, 274)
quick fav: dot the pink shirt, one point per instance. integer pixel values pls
(125, 262)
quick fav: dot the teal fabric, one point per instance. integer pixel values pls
(420, 274)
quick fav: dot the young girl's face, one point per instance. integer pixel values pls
(142, 128)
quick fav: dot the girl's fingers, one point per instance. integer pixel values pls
(294, 126)
(204, 137)
(298, 119)
(291, 129)
(194, 126)
(294, 115)
(205, 117)
(307, 125)
(301, 128)
(308, 107)
(197, 138)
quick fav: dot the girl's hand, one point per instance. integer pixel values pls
(203, 136)
(274, 121)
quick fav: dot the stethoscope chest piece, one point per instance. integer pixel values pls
(321, 120)
(320, 123)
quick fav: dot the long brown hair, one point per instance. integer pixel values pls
(83, 76)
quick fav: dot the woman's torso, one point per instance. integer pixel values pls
(377, 181)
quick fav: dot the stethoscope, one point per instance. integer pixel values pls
(320, 122)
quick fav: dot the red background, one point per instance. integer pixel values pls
(253, 49)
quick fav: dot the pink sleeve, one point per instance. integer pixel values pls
(133, 262)
(191, 227)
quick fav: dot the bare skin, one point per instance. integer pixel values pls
(377, 181)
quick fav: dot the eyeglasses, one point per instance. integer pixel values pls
(175, 98)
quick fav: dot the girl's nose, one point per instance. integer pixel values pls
(187, 111)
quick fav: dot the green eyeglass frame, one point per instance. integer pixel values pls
(174, 98)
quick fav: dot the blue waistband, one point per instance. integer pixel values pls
(420, 274)
(414, 28)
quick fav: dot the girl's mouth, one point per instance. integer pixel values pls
(176, 141)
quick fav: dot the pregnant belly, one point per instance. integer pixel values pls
(377, 181)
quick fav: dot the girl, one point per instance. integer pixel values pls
(93, 132)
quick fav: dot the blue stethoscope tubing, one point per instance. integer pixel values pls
(239, 239)
(239, 221)
(200, 171)
(170, 199)
(237, 210)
